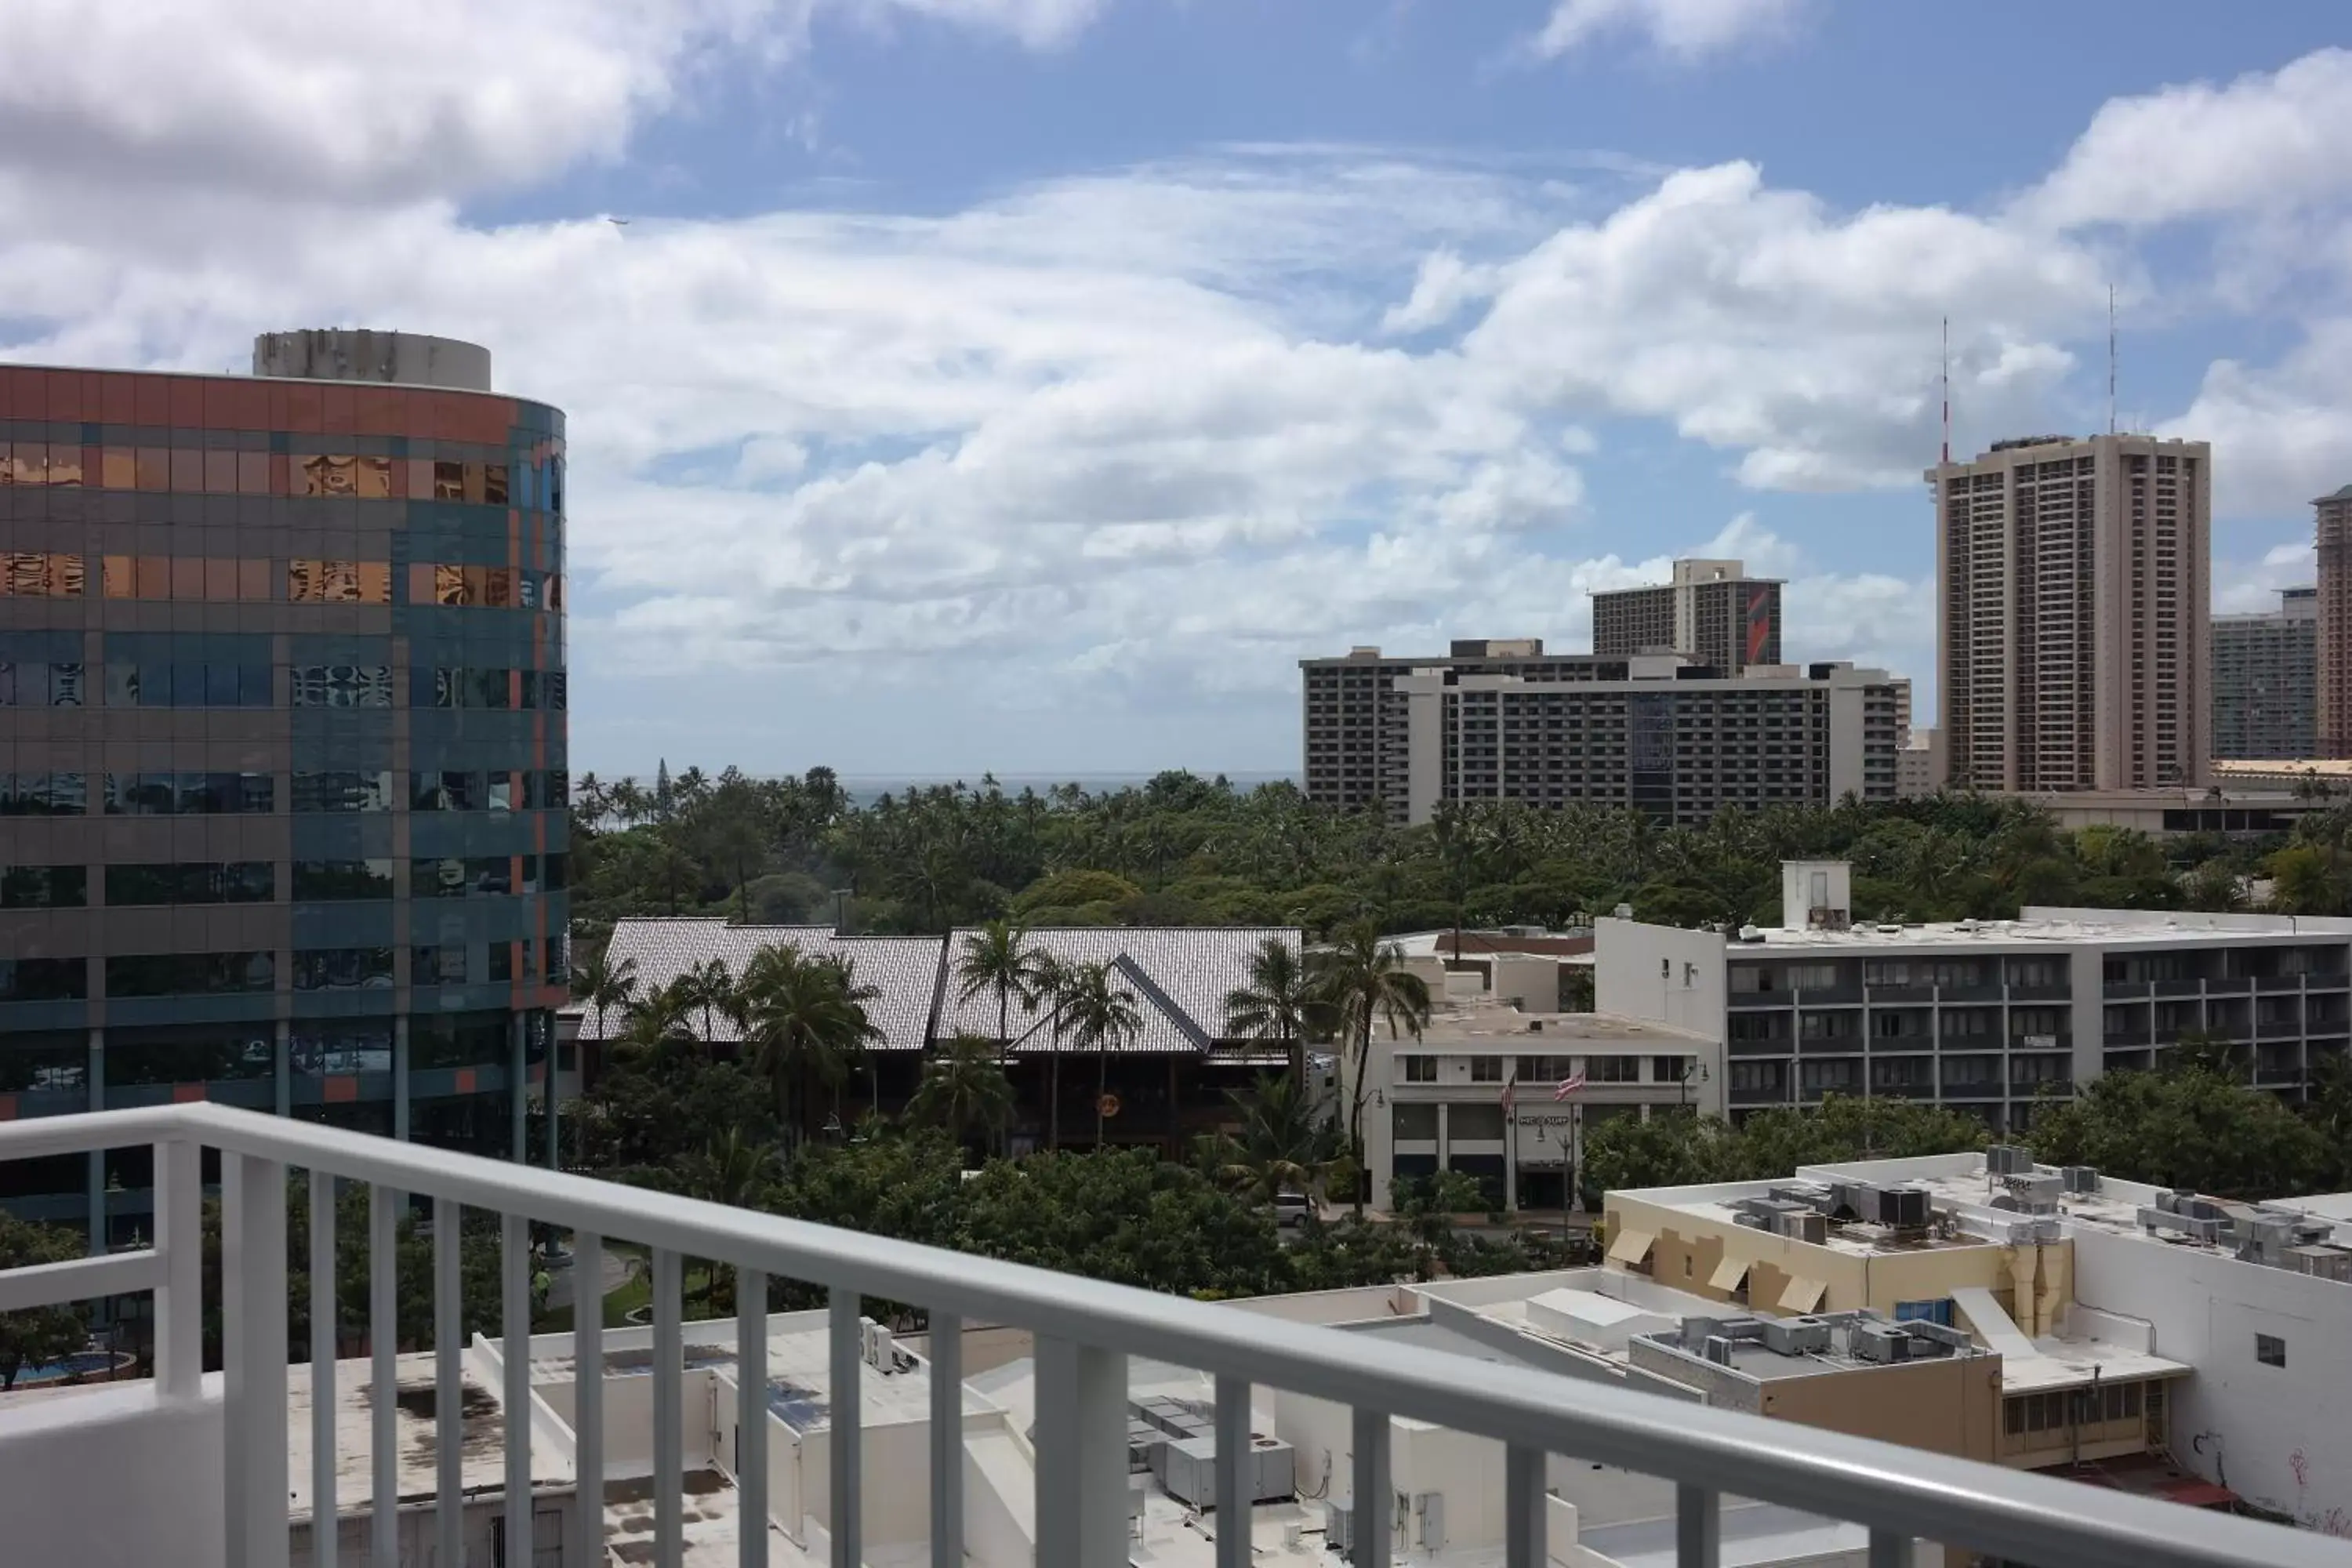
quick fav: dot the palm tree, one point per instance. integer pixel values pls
(1101, 1016)
(657, 1026)
(1364, 980)
(998, 958)
(604, 982)
(707, 986)
(732, 1170)
(1281, 1002)
(1281, 1147)
(805, 1020)
(1053, 993)
(964, 1089)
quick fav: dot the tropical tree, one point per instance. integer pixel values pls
(36, 1335)
(708, 987)
(1280, 1003)
(659, 1026)
(603, 982)
(730, 1169)
(1280, 1148)
(805, 1023)
(1099, 1013)
(998, 958)
(1364, 982)
(965, 1090)
(1053, 991)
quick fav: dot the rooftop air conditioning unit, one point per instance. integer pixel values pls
(1904, 1208)
(1797, 1336)
(2081, 1178)
(2323, 1262)
(1881, 1343)
(1340, 1529)
(2002, 1159)
(1717, 1350)
(1811, 1226)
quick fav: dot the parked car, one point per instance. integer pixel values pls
(1292, 1208)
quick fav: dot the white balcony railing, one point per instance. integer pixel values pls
(1084, 1332)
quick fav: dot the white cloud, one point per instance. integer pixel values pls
(366, 100)
(1762, 321)
(2282, 433)
(2265, 141)
(1685, 29)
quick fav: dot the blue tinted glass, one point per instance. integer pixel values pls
(220, 685)
(253, 685)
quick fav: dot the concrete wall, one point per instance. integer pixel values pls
(1669, 975)
(109, 1480)
(1947, 1407)
(2276, 1435)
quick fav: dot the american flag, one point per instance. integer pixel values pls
(1568, 1086)
(1510, 1091)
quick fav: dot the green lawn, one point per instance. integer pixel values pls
(638, 1292)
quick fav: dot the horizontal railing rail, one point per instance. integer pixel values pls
(1084, 1328)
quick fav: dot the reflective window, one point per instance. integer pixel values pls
(342, 792)
(342, 686)
(45, 1063)
(43, 795)
(502, 962)
(189, 974)
(320, 1048)
(157, 685)
(191, 882)
(34, 684)
(449, 877)
(454, 585)
(558, 871)
(194, 1053)
(323, 880)
(500, 790)
(445, 792)
(338, 582)
(558, 959)
(343, 969)
(215, 578)
(190, 794)
(43, 886)
(463, 1039)
(547, 789)
(40, 574)
(441, 965)
(44, 979)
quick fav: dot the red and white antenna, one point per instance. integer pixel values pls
(1947, 389)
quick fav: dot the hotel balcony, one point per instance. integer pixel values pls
(694, 1446)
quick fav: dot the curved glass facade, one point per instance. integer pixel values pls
(283, 783)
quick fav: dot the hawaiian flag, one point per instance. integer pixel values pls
(1568, 1086)
(1510, 1091)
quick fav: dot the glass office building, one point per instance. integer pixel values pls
(283, 787)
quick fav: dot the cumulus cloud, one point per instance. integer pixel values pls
(1762, 321)
(2267, 141)
(1683, 30)
(376, 100)
(1130, 438)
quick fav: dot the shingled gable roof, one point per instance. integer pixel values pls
(1179, 976)
(904, 970)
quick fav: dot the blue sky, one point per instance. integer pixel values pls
(1026, 384)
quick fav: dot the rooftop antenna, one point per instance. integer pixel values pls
(1947, 389)
(2110, 359)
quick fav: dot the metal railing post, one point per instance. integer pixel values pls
(1369, 1493)
(584, 1544)
(253, 1315)
(847, 1428)
(384, 1373)
(1234, 1505)
(1526, 1518)
(751, 1416)
(1081, 1455)
(1698, 1527)
(180, 1304)
(669, 1419)
(323, 1508)
(514, 1333)
(947, 1440)
(448, 1382)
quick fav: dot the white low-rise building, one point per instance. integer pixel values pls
(1982, 1016)
(1480, 1093)
(2134, 1325)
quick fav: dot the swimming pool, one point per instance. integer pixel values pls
(81, 1363)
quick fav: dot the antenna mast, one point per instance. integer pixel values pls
(2110, 359)
(1947, 389)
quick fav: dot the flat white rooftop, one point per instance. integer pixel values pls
(482, 1436)
(2063, 928)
